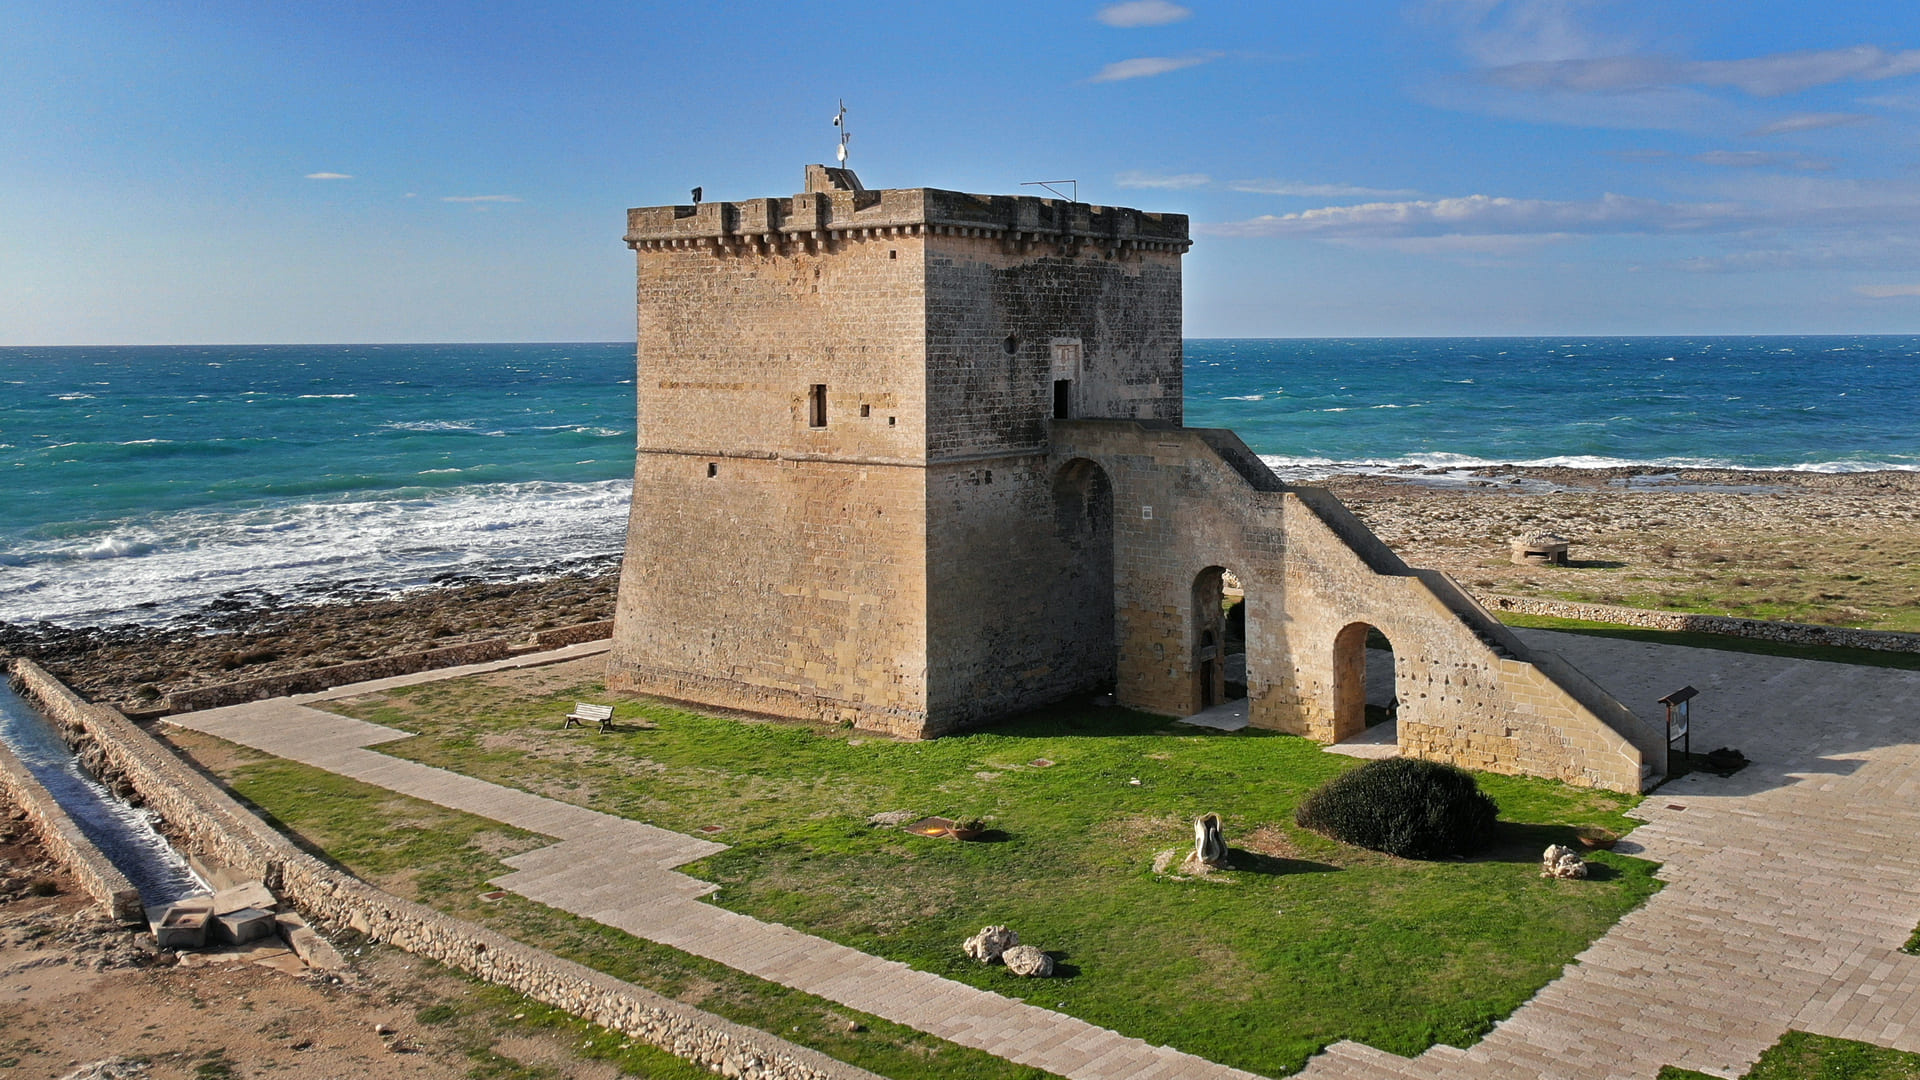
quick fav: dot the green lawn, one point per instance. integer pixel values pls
(1800, 1056)
(443, 858)
(1306, 943)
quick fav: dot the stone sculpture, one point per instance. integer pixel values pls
(1209, 847)
(1028, 961)
(1561, 862)
(991, 943)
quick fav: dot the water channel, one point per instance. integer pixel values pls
(125, 834)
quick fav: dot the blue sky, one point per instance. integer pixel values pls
(294, 172)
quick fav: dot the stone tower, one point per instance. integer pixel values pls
(843, 506)
(914, 459)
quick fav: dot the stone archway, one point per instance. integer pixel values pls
(1083, 527)
(1364, 681)
(1218, 638)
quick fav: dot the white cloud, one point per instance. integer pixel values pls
(479, 198)
(1141, 67)
(1761, 76)
(1137, 179)
(1758, 159)
(1499, 32)
(1494, 245)
(328, 176)
(1318, 191)
(1799, 122)
(1787, 73)
(1487, 215)
(1142, 13)
(1886, 292)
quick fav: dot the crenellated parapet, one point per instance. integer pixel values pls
(815, 218)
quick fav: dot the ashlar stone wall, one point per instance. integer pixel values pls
(1190, 502)
(841, 506)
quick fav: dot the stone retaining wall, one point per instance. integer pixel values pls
(1757, 629)
(325, 678)
(215, 826)
(66, 843)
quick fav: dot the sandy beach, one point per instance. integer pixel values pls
(1837, 549)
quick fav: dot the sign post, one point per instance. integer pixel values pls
(1680, 718)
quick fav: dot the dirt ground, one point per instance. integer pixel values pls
(83, 998)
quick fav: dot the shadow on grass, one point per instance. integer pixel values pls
(1061, 968)
(1252, 862)
(1081, 718)
(1523, 843)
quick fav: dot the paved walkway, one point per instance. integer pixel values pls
(1790, 888)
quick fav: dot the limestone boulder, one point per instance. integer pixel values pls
(1561, 862)
(1027, 961)
(991, 944)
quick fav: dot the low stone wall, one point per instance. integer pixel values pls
(66, 843)
(1757, 629)
(200, 817)
(574, 635)
(325, 678)
(210, 821)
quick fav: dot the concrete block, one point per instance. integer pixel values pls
(240, 927)
(182, 925)
(315, 950)
(249, 894)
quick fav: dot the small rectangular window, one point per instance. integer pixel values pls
(817, 406)
(890, 421)
(1063, 399)
(713, 469)
(866, 411)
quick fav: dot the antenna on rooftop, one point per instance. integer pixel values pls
(1048, 184)
(840, 121)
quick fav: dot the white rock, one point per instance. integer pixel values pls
(1209, 847)
(1028, 961)
(1561, 862)
(991, 943)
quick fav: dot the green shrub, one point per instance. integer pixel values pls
(1403, 806)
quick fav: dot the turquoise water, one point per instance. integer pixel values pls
(145, 482)
(1825, 403)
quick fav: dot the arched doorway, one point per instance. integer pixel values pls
(1219, 638)
(1083, 614)
(1365, 699)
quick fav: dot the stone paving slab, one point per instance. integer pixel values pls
(1789, 889)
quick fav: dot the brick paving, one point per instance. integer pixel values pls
(1790, 888)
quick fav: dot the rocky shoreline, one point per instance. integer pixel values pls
(245, 636)
(1840, 549)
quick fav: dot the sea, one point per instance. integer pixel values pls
(146, 484)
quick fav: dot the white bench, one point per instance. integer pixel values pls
(584, 713)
